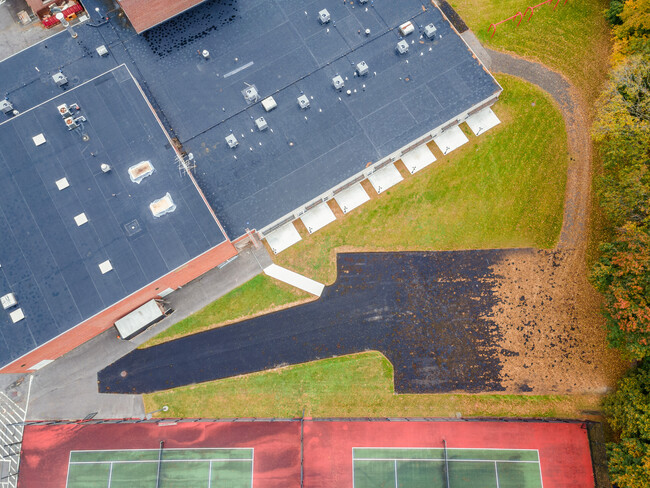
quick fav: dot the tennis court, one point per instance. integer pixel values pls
(161, 468)
(446, 468)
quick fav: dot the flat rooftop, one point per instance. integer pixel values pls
(61, 216)
(282, 49)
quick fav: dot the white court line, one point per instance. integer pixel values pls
(144, 461)
(172, 449)
(110, 475)
(241, 68)
(450, 460)
(449, 449)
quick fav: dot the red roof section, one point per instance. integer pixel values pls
(144, 14)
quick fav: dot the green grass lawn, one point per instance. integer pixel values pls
(573, 39)
(502, 189)
(259, 295)
(351, 386)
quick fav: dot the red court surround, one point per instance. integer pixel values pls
(563, 447)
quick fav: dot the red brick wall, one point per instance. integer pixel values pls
(105, 320)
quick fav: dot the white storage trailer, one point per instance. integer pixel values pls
(142, 317)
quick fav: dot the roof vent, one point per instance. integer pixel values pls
(324, 16)
(303, 101)
(8, 301)
(402, 47)
(430, 31)
(80, 219)
(261, 124)
(17, 315)
(101, 50)
(206, 54)
(362, 68)
(250, 94)
(59, 79)
(140, 171)
(162, 206)
(106, 266)
(232, 141)
(6, 106)
(62, 184)
(406, 28)
(38, 139)
(338, 82)
(269, 104)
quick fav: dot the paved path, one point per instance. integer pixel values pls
(294, 279)
(576, 201)
(67, 388)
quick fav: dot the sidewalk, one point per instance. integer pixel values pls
(67, 388)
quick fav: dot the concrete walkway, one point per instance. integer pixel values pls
(67, 388)
(294, 279)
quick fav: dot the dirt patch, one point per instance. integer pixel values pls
(548, 315)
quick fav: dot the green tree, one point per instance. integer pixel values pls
(628, 411)
(622, 275)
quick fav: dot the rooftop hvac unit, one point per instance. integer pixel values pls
(338, 82)
(64, 110)
(232, 141)
(303, 101)
(430, 31)
(6, 106)
(250, 94)
(324, 16)
(70, 123)
(402, 47)
(269, 104)
(8, 301)
(261, 124)
(59, 79)
(362, 68)
(102, 51)
(406, 28)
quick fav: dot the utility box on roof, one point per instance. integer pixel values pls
(402, 47)
(142, 317)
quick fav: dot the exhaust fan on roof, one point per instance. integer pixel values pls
(250, 93)
(8, 301)
(338, 82)
(261, 124)
(303, 101)
(6, 106)
(232, 141)
(402, 47)
(324, 16)
(59, 79)
(430, 31)
(362, 68)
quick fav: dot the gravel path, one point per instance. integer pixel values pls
(576, 201)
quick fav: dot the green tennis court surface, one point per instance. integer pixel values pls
(415, 468)
(166, 468)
